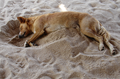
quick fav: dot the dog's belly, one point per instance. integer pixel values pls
(53, 27)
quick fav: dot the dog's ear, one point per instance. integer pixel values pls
(21, 19)
(28, 21)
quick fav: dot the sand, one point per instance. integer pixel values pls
(63, 54)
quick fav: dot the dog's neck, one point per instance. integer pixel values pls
(31, 22)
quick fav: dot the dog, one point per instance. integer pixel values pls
(87, 24)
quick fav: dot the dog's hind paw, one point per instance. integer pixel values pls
(101, 47)
(114, 52)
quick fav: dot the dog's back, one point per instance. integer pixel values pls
(59, 20)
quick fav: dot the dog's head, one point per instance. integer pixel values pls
(24, 27)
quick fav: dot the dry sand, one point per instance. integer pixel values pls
(63, 54)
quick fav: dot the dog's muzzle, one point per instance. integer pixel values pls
(22, 36)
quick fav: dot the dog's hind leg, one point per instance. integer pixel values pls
(91, 34)
(106, 37)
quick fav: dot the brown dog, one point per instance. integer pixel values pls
(88, 25)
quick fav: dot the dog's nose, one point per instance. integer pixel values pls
(20, 36)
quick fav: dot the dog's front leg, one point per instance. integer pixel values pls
(29, 43)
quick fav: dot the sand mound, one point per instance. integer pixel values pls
(63, 54)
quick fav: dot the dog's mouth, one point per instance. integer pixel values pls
(22, 36)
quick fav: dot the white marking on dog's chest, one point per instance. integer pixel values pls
(34, 31)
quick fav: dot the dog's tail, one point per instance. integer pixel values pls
(103, 32)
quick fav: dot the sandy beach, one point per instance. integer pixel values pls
(63, 54)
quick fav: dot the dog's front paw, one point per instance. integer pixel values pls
(26, 44)
(35, 44)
